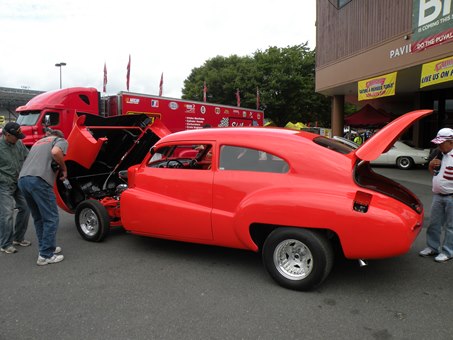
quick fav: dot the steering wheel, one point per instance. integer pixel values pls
(194, 164)
(176, 163)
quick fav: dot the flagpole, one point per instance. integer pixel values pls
(128, 75)
(257, 98)
(205, 90)
(104, 87)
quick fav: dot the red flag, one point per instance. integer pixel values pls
(161, 84)
(257, 98)
(104, 87)
(205, 90)
(128, 73)
(238, 97)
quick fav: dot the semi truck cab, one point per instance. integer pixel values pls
(57, 110)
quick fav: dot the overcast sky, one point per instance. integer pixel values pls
(169, 36)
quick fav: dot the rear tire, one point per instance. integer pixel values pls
(404, 163)
(92, 220)
(298, 259)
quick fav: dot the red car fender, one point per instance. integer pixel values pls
(286, 207)
(381, 220)
(329, 211)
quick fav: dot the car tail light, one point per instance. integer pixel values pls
(361, 201)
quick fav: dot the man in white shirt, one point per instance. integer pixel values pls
(441, 167)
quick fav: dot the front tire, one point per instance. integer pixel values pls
(92, 220)
(298, 259)
(404, 163)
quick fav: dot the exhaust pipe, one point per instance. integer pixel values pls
(363, 263)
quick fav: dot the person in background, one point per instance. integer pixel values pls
(12, 155)
(36, 181)
(441, 167)
(358, 139)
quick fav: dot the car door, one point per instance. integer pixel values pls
(241, 173)
(169, 200)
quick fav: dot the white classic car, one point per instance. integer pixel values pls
(400, 154)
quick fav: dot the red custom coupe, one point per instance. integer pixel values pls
(293, 196)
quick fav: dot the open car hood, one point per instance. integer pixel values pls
(99, 148)
(383, 140)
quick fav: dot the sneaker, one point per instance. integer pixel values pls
(23, 243)
(9, 250)
(441, 258)
(57, 250)
(42, 261)
(427, 252)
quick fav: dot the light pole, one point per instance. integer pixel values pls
(60, 65)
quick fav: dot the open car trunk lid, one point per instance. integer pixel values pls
(383, 140)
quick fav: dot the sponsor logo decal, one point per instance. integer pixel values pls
(132, 100)
(189, 108)
(173, 105)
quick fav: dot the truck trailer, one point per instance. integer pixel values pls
(59, 109)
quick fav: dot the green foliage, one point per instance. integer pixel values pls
(285, 78)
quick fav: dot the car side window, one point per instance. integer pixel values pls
(185, 156)
(240, 158)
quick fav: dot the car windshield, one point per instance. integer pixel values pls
(28, 118)
(333, 144)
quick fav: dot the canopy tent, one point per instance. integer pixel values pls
(295, 126)
(368, 117)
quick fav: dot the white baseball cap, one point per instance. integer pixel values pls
(443, 135)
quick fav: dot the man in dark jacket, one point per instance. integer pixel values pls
(12, 155)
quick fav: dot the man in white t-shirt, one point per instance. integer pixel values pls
(441, 167)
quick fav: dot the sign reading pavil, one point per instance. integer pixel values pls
(378, 87)
(431, 23)
(437, 72)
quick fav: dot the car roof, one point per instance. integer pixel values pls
(242, 135)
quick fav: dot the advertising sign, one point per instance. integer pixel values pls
(431, 23)
(378, 87)
(179, 114)
(437, 72)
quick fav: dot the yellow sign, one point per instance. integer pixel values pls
(2, 120)
(437, 72)
(378, 87)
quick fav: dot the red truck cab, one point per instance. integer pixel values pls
(56, 110)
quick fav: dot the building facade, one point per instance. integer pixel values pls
(394, 55)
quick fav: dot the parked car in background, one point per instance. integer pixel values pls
(400, 154)
(296, 197)
(403, 156)
(353, 145)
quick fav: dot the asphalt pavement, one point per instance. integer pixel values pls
(131, 287)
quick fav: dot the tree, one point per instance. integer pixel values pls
(285, 78)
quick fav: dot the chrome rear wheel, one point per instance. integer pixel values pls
(293, 259)
(297, 258)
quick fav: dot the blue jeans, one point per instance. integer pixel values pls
(11, 198)
(43, 205)
(441, 218)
